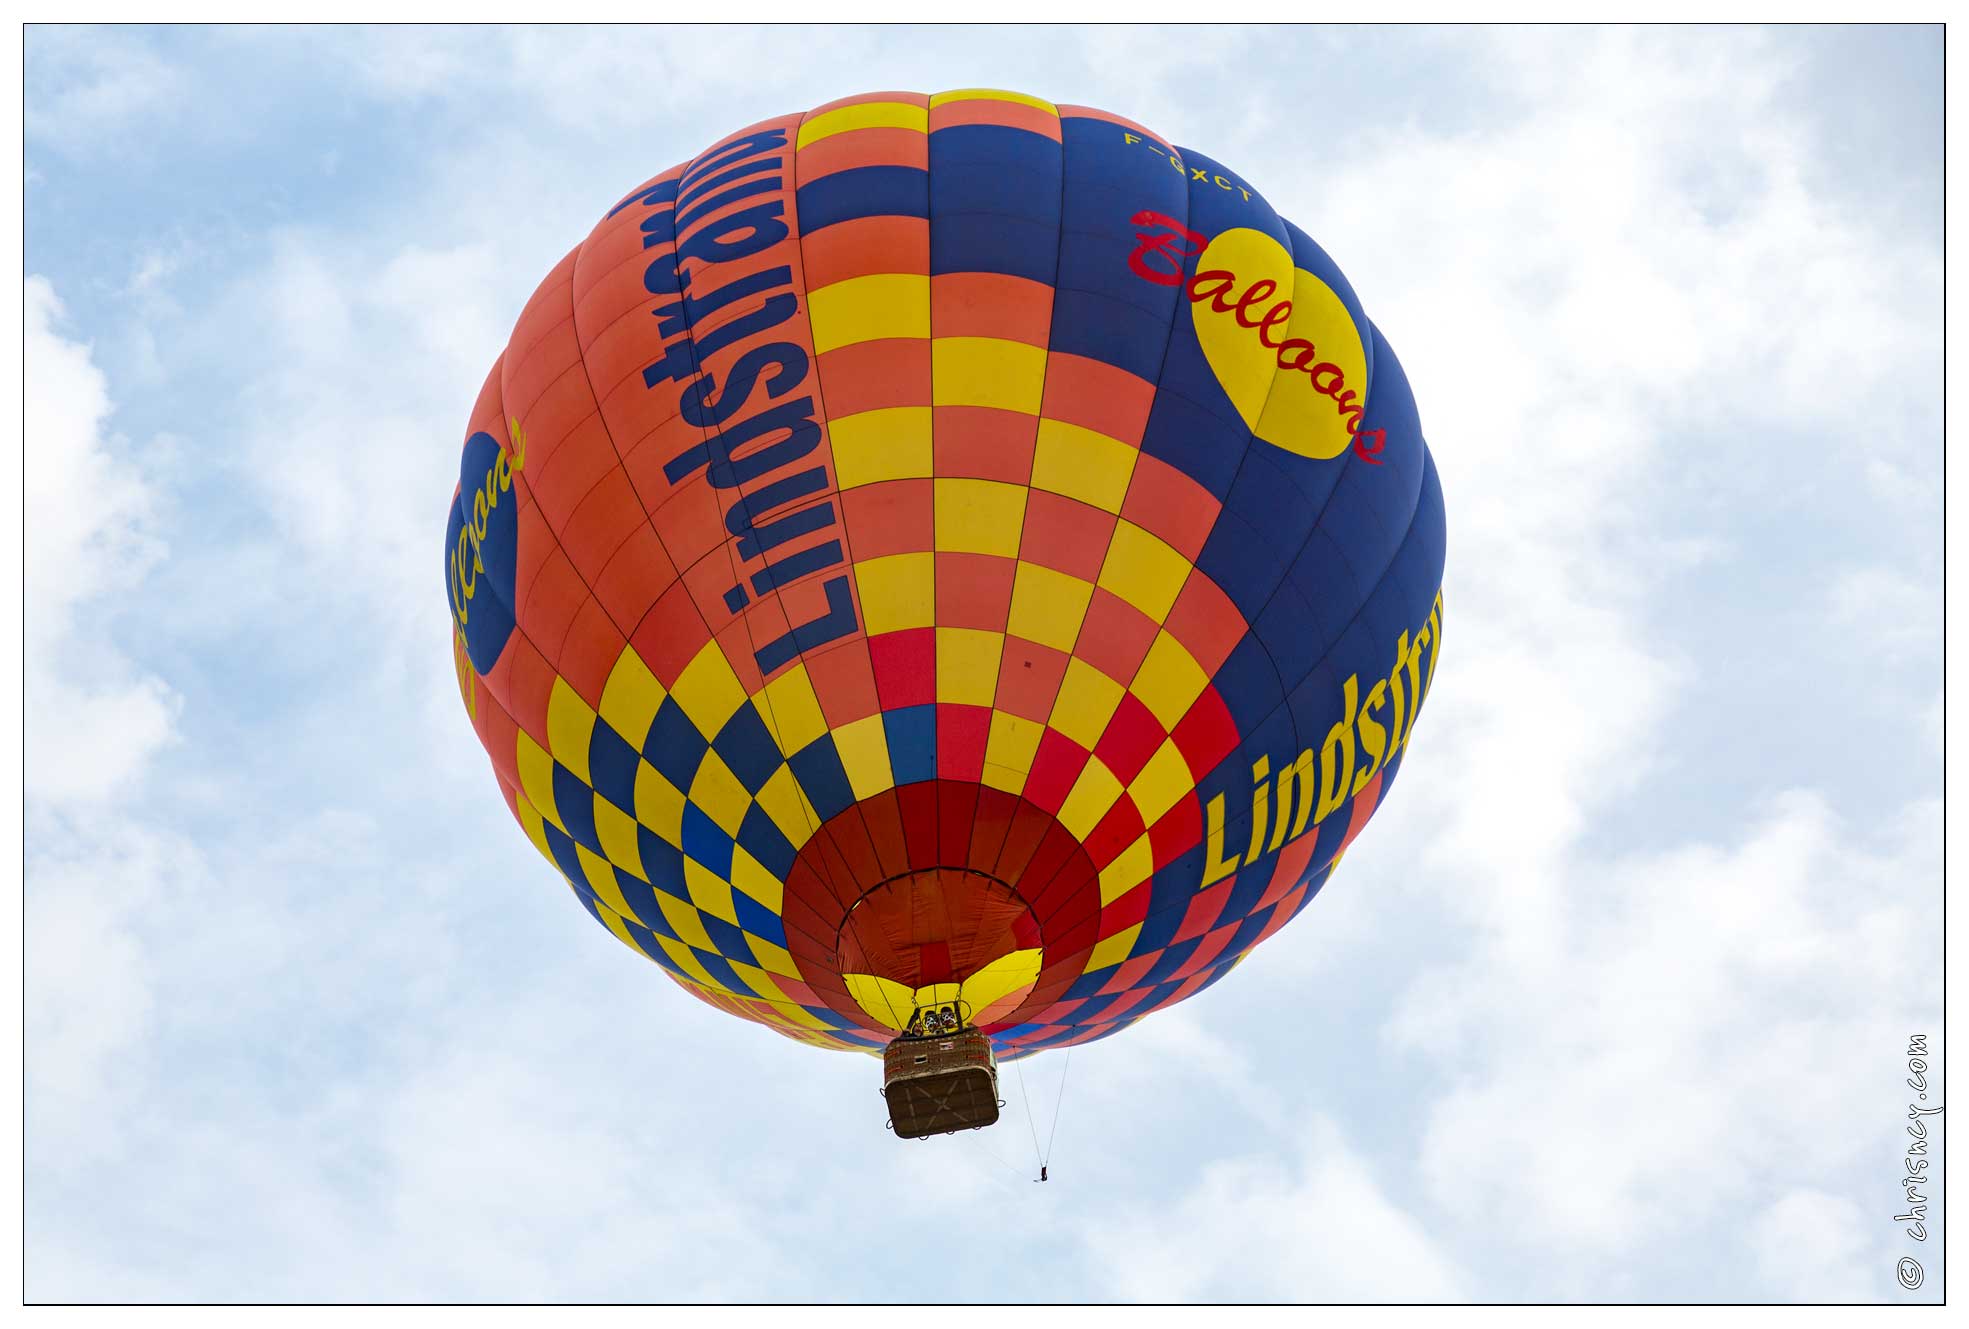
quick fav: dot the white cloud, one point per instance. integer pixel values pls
(94, 718)
(1309, 1221)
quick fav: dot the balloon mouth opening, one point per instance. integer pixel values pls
(934, 926)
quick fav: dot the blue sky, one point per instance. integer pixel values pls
(1609, 1003)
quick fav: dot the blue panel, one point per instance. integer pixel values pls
(1201, 444)
(729, 940)
(1173, 958)
(562, 849)
(663, 862)
(912, 735)
(822, 778)
(1246, 563)
(612, 766)
(674, 746)
(864, 191)
(980, 242)
(1094, 1005)
(648, 942)
(640, 898)
(747, 747)
(1248, 684)
(760, 837)
(758, 920)
(1291, 635)
(995, 169)
(1088, 983)
(1109, 330)
(715, 966)
(575, 801)
(706, 842)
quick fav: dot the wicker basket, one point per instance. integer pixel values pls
(940, 1083)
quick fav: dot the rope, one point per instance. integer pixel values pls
(1060, 1098)
(1021, 1064)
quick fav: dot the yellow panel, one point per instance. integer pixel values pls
(867, 115)
(570, 726)
(659, 804)
(686, 960)
(1002, 977)
(622, 933)
(1085, 703)
(897, 592)
(709, 892)
(601, 877)
(617, 831)
(1114, 949)
(980, 517)
(774, 958)
(967, 665)
(864, 749)
(987, 371)
(750, 876)
(630, 697)
(1011, 745)
(786, 803)
(537, 777)
(708, 690)
(1082, 464)
(1127, 872)
(530, 822)
(1048, 606)
(1143, 570)
(1093, 794)
(1169, 680)
(882, 304)
(758, 980)
(718, 793)
(992, 95)
(1162, 784)
(683, 921)
(892, 443)
(792, 712)
(886, 1001)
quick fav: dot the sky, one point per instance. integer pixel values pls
(1611, 1002)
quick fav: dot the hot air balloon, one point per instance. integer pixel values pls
(945, 577)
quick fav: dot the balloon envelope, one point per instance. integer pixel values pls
(945, 548)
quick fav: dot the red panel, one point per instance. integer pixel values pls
(1125, 912)
(881, 816)
(589, 652)
(1029, 679)
(1365, 803)
(1207, 734)
(871, 375)
(1110, 838)
(844, 682)
(1055, 766)
(1179, 831)
(905, 667)
(974, 591)
(962, 732)
(918, 804)
(1131, 738)
(893, 517)
(550, 604)
(671, 634)
(990, 826)
(983, 443)
(531, 684)
(638, 573)
(991, 304)
(1097, 396)
(862, 248)
(1115, 636)
(1205, 622)
(1066, 535)
(957, 805)
(1171, 506)
(1289, 867)
(989, 111)
(1203, 910)
(692, 525)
